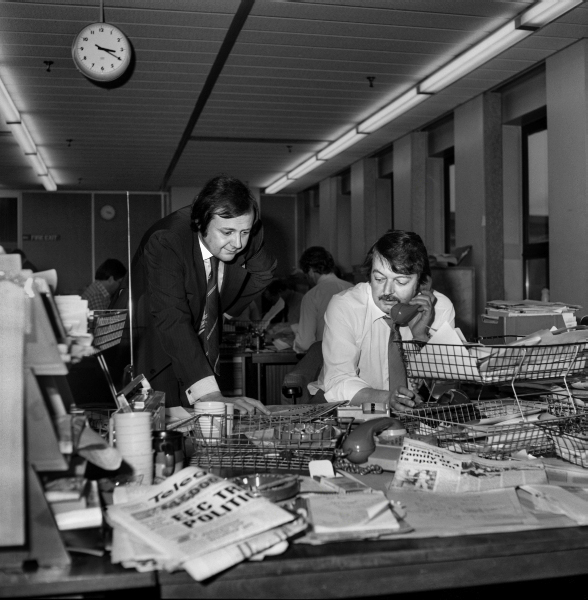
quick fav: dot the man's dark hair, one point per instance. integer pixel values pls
(404, 251)
(226, 197)
(318, 259)
(111, 266)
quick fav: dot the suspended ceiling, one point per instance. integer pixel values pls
(294, 78)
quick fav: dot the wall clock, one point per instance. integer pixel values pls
(101, 52)
(108, 212)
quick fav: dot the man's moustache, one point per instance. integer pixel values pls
(388, 298)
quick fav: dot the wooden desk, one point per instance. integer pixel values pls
(392, 567)
(86, 574)
(265, 359)
(341, 570)
(258, 373)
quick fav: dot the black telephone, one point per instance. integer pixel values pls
(402, 314)
(359, 444)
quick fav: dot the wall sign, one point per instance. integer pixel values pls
(41, 237)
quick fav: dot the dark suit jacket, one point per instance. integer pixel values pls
(169, 292)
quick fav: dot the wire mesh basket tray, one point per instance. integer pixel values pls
(569, 436)
(479, 363)
(285, 440)
(492, 429)
(107, 328)
(566, 401)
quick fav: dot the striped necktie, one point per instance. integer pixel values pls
(396, 368)
(210, 331)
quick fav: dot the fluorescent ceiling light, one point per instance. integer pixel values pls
(393, 110)
(276, 186)
(488, 48)
(546, 11)
(312, 163)
(37, 164)
(7, 105)
(49, 183)
(350, 138)
(23, 137)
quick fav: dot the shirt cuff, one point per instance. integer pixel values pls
(208, 385)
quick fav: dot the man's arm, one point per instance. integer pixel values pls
(168, 304)
(340, 354)
(306, 330)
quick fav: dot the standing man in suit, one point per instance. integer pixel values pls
(191, 267)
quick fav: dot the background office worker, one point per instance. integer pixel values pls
(182, 263)
(107, 282)
(318, 265)
(362, 362)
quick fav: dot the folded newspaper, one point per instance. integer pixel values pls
(425, 467)
(196, 521)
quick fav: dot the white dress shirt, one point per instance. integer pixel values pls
(312, 310)
(207, 385)
(355, 343)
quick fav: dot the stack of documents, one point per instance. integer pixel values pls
(195, 521)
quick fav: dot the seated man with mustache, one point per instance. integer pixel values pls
(357, 364)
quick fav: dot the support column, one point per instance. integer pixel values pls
(567, 155)
(328, 214)
(410, 154)
(478, 193)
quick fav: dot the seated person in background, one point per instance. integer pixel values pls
(278, 292)
(358, 365)
(108, 279)
(319, 267)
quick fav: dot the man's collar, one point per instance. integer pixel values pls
(101, 287)
(206, 253)
(325, 276)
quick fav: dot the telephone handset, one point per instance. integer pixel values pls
(402, 314)
(359, 444)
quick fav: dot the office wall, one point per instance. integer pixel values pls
(64, 231)
(68, 219)
(279, 217)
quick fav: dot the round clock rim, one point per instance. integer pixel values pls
(112, 75)
(105, 207)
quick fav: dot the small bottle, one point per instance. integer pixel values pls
(545, 295)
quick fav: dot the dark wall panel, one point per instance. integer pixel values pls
(67, 216)
(278, 214)
(111, 236)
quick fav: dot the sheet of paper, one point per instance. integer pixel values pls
(455, 514)
(555, 499)
(321, 468)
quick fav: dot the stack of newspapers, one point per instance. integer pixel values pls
(198, 522)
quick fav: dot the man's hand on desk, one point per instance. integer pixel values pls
(398, 400)
(242, 403)
(402, 398)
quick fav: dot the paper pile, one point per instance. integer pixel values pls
(541, 355)
(74, 313)
(195, 521)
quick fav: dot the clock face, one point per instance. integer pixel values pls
(107, 212)
(101, 52)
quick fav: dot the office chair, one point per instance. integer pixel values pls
(296, 381)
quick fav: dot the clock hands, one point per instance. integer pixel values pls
(111, 52)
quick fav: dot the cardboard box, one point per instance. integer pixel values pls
(516, 325)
